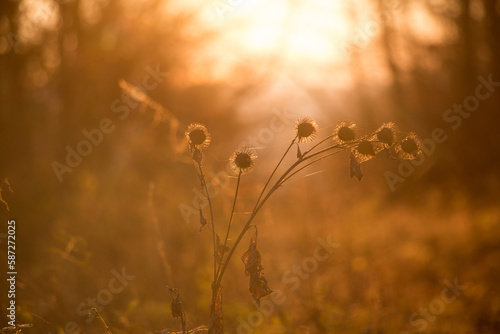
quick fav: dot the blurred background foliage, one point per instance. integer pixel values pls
(238, 66)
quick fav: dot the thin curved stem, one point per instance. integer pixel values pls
(316, 145)
(261, 203)
(277, 184)
(312, 162)
(242, 233)
(204, 184)
(274, 171)
(230, 221)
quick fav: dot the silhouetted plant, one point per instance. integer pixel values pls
(345, 137)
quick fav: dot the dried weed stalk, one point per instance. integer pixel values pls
(98, 316)
(345, 137)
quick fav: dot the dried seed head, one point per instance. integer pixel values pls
(344, 132)
(365, 148)
(198, 136)
(305, 129)
(364, 151)
(386, 134)
(243, 160)
(410, 147)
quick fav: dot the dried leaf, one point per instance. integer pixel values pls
(203, 220)
(216, 325)
(299, 153)
(176, 305)
(253, 268)
(197, 155)
(355, 168)
(366, 148)
(221, 249)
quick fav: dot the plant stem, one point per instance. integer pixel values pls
(230, 220)
(312, 162)
(242, 233)
(274, 171)
(316, 145)
(258, 206)
(276, 185)
(204, 185)
(183, 322)
(98, 315)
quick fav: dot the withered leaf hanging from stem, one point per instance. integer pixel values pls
(355, 168)
(299, 153)
(203, 220)
(176, 307)
(253, 268)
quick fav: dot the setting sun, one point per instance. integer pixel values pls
(295, 32)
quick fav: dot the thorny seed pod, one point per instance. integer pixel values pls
(409, 148)
(364, 151)
(306, 129)
(198, 136)
(243, 159)
(387, 133)
(366, 148)
(344, 132)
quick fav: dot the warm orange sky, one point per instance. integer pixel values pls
(308, 39)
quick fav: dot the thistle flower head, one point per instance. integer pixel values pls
(243, 160)
(387, 133)
(364, 151)
(344, 132)
(365, 147)
(409, 148)
(305, 129)
(198, 136)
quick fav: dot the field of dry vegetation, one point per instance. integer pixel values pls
(96, 99)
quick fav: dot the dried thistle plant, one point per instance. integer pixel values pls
(345, 137)
(98, 316)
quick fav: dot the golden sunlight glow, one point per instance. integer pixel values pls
(36, 16)
(295, 32)
(308, 39)
(303, 38)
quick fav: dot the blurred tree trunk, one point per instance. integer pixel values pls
(466, 50)
(492, 27)
(386, 37)
(13, 102)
